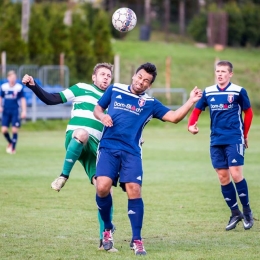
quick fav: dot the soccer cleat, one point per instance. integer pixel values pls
(112, 250)
(108, 242)
(138, 247)
(58, 183)
(233, 221)
(248, 221)
(9, 148)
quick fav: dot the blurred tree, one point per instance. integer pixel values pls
(182, 16)
(40, 51)
(82, 44)
(147, 12)
(59, 36)
(236, 25)
(102, 38)
(167, 8)
(10, 34)
(251, 17)
(26, 10)
(198, 27)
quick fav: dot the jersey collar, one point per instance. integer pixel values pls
(223, 89)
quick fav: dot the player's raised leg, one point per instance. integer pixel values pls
(74, 144)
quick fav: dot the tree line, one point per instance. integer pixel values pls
(83, 43)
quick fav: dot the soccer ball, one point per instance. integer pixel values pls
(124, 19)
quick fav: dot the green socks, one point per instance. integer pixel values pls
(73, 153)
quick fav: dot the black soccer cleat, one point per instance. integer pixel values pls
(248, 221)
(233, 221)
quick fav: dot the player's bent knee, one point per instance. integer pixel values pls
(103, 186)
(133, 190)
(81, 135)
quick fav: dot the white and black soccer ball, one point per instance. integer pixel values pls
(124, 19)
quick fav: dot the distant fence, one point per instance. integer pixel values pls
(172, 98)
(52, 78)
(47, 75)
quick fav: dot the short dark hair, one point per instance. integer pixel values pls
(103, 65)
(149, 68)
(225, 63)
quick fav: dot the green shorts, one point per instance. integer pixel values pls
(88, 155)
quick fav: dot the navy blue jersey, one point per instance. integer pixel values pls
(130, 113)
(11, 95)
(225, 107)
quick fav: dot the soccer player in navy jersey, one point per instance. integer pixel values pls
(119, 156)
(228, 139)
(11, 93)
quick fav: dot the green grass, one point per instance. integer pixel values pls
(185, 214)
(190, 66)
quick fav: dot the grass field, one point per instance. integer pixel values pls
(185, 214)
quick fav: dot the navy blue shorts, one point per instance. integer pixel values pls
(119, 166)
(225, 156)
(10, 117)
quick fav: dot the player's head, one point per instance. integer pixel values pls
(225, 63)
(102, 75)
(223, 73)
(143, 78)
(11, 77)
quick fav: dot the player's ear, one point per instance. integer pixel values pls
(133, 76)
(93, 77)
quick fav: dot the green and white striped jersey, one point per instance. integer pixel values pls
(84, 98)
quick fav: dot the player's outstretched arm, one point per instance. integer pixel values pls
(44, 96)
(104, 118)
(177, 115)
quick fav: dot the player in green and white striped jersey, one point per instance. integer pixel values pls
(83, 130)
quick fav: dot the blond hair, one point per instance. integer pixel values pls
(103, 65)
(11, 72)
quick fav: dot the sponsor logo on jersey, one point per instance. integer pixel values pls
(221, 106)
(11, 95)
(127, 107)
(230, 98)
(213, 99)
(119, 97)
(141, 102)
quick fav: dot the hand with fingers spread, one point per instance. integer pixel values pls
(107, 120)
